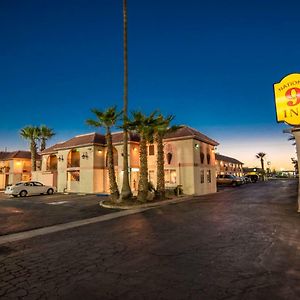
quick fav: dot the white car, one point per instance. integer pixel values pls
(23, 189)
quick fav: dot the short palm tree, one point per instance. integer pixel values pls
(45, 134)
(162, 128)
(31, 133)
(261, 155)
(144, 126)
(108, 119)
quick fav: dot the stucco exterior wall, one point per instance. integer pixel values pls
(2, 181)
(188, 166)
(44, 177)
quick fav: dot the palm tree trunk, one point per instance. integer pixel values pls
(160, 168)
(114, 191)
(143, 182)
(263, 168)
(126, 191)
(43, 144)
(33, 155)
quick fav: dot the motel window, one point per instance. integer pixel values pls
(208, 174)
(170, 176)
(208, 158)
(74, 176)
(202, 176)
(151, 150)
(202, 157)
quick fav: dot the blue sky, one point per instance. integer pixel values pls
(212, 65)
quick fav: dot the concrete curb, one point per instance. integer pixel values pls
(60, 227)
(146, 205)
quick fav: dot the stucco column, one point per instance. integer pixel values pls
(296, 133)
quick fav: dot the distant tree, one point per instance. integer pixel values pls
(45, 133)
(108, 119)
(31, 133)
(261, 155)
(295, 164)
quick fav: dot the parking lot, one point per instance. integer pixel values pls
(21, 214)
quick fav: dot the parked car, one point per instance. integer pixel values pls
(229, 179)
(253, 178)
(245, 179)
(24, 189)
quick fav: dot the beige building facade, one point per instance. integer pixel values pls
(14, 167)
(79, 164)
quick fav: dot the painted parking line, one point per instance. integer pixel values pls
(56, 228)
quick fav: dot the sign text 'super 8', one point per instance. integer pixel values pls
(287, 99)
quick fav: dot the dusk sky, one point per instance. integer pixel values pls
(211, 64)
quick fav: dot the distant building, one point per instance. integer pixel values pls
(228, 165)
(79, 164)
(254, 170)
(14, 166)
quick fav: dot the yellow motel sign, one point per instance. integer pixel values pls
(287, 99)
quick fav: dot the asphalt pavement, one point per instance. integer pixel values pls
(22, 214)
(241, 243)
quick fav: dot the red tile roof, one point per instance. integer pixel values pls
(188, 132)
(88, 140)
(227, 159)
(117, 137)
(79, 140)
(16, 154)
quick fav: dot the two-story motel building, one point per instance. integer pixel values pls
(79, 164)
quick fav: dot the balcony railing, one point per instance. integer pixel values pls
(74, 163)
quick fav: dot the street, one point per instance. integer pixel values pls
(240, 243)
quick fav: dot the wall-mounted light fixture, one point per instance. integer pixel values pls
(61, 158)
(99, 151)
(85, 155)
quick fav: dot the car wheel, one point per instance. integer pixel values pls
(234, 184)
(50, 192)
(23, 193)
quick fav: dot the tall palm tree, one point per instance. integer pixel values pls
(108, 119)
(144, 126)
(292, 138)
(126, 190)
(161, 129)
(45, 134)
(31, 133)
(261, 155)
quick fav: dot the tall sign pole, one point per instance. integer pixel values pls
(287, 103)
